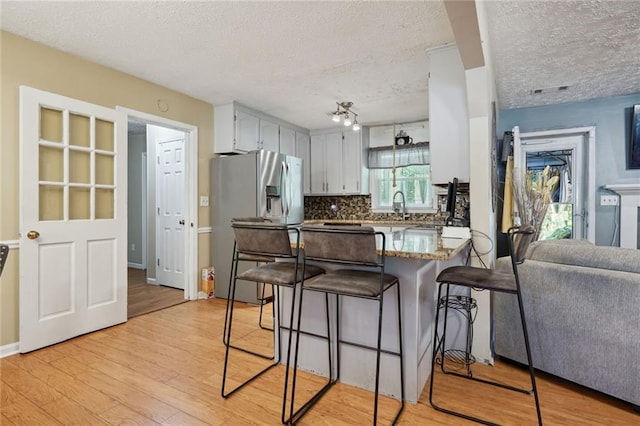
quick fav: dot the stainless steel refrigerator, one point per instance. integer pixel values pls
(260, 183)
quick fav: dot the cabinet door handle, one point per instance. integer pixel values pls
(358, 185)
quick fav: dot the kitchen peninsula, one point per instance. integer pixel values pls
(415, 255)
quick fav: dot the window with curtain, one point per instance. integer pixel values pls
(413, 177)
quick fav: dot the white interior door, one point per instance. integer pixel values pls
(73, 218)
(170, 200)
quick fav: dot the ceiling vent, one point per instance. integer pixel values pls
(548, 90)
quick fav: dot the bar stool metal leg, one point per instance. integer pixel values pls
(230, 301)
(295, 416)
(228, 329)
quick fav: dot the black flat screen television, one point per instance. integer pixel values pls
(634, 141)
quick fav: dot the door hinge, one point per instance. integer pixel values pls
(158, 211)
(158, 261)
(158, 159)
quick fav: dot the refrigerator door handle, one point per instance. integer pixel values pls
(283, 188)
(288, 184)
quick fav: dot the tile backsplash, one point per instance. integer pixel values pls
(356, 207)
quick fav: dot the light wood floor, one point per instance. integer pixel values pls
(144, 298)
(166, 368)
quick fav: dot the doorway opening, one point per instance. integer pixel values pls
(162, 212)
(568, 154)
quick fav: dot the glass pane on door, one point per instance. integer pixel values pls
(51, 202)
(558, 222)
(79, 203)
(50, 125)
(72, 162)
(79, 167)
(50, 163)
(105, 203)
(79, 130)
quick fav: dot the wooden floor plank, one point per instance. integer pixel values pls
(140, 402)
(166, 368)
(67, 411)
(143, 298)
(123, 415)
(75, 390)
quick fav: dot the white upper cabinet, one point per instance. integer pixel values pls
(240, 129)
(354, 170)
(448, 116)
(338, 162)
(269, 136)
(247, 135)
(303, 150)
(287, 141)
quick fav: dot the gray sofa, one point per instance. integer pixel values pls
(582, 305)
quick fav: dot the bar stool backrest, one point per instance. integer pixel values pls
(262, 238)
(344, 244)
(519, 241)
(4, 253)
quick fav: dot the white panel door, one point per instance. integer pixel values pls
(73, 218)
(170, 201)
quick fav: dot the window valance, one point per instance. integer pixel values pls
(405, 155)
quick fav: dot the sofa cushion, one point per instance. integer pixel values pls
(583, 253)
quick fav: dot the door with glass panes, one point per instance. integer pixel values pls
(73, 276)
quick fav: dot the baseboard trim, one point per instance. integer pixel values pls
(135, 265)
(10, 349)
(152, 281)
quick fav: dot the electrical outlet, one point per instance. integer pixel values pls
(204, 201)
(609, 200)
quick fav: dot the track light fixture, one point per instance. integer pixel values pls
(343, 112)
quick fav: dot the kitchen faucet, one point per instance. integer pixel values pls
(400, 207)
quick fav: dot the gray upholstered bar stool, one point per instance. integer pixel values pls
(251, 259)
(4, 253)
(486, 279)
(270, 240)
(354, 247)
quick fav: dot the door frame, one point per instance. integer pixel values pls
(588, 134)
(191, 207)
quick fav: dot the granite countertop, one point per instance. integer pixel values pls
(410, 240)
(371, 222)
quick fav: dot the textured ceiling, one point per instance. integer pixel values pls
(592, 46)
(294, 60)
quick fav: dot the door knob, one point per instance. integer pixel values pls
(181, 222)
(32, 235)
